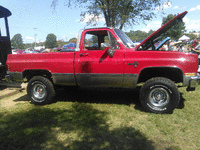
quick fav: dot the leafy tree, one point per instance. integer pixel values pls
(177, 30)
(72, 40)
(17, 41)
(50, 41)
(61, 43)
(138, 35)
(117, 13)
(94, 39)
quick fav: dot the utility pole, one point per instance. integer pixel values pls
(35, 35)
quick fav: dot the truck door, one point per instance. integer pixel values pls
(100, 60)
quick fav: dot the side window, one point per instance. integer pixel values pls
(91, 42)
(98, 40)
(2, 28)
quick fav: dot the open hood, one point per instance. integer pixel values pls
(4, 12)
(151, 39)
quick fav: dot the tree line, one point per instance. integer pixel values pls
(51, 40)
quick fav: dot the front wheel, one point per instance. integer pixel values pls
(40, 90)
(159, 95)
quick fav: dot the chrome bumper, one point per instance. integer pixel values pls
(194, 81)
(8, 78)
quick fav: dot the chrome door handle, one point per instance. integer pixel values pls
(84, 54)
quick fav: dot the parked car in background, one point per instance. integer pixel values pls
(68, 48)
(18, 51)
(41, 50)
(30, 51)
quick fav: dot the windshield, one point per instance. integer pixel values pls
(125, 39)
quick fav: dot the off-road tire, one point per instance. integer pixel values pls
(159, 95)
(40, 90)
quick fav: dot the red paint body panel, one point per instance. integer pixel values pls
(99, 62)
(186, 62)
(59, 62)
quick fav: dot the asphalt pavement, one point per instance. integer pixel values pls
(11, 88)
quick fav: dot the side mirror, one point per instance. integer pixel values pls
(106, 47)
(111, 52)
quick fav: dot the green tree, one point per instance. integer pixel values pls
(138, 35)
(61, 43)
(72, 40)
(94, 39)
(117, 13)
(177, 30)
(17, 41)
(51, 41)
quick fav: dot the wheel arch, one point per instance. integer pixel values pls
(30, 73)
(173, 73)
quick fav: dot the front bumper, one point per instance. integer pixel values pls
(198, 69)
(194, 81)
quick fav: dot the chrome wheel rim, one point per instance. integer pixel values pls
(159, 97)
(39, 92)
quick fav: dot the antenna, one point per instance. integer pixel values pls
(35, 35)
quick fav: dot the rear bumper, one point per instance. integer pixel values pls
(8, 78)
(14, 76)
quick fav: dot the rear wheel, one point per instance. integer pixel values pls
(40, 90)
(159, 95)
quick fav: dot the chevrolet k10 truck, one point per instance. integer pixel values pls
(106, 57)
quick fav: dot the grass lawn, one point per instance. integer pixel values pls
(98, 120)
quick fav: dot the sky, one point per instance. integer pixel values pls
(37, 17)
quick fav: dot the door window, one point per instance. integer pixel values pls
(98, 40)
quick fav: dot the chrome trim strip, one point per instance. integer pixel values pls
(63, 78)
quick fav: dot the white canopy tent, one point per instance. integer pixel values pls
(184, 37)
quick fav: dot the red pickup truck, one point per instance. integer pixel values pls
(106, 57)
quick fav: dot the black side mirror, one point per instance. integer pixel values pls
(106, 46)
(110, 52)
